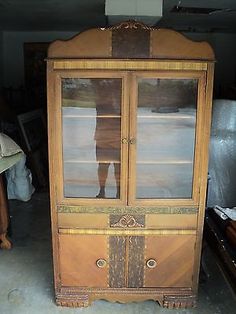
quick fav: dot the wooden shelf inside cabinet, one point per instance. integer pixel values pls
(164, 162)
(164, 116)
(92, 161)
(129, 121)
(91, 116)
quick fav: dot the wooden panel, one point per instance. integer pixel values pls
(3, 208)
(4, 242)
(175, 258)
(127, 209)
(128, 65)
(94, 43)
(73, 220)
(163, 43)
(173, 221)
(78, 256)
(117, 253)
(135, 262)
(124, 43)
(169, 44)
(133, 232)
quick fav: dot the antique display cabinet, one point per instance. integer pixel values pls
(129, 110)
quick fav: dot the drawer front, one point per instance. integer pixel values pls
(129, 221)
(169, 260)
(83, 260)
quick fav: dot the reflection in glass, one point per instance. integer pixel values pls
(165, 137)
(91, 117)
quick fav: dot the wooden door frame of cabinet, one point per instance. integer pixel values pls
(199, 132)
(55, 108)
(204, 168)
(125, 75)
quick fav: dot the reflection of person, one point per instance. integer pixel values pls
(107, 134)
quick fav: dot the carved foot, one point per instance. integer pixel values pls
(4, 242)
(72, 301)
(179, 302)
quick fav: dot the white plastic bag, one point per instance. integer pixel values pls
(19, 181)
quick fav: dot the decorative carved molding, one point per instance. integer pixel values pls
(127, 221)
(128, 231)
(131, 24)
(179, 301)
(126, 210)
(72, 300)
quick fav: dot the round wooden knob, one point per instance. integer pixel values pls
(101, 263)
(151, 263)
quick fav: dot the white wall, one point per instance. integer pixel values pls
(13, 52)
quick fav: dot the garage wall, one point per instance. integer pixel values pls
(13, 60)
(1, 59)
(13, 52)
(224, 46)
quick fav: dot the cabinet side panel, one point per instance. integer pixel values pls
(174, 256)
(117, 252)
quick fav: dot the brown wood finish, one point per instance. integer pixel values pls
(85, 41)
(125, 46)
(153, 221)
(4, 241)
(135, 261)
(117, 254)
(82, 220)
(178, 46)
(174, 257)
(128, 249)
(78, 257)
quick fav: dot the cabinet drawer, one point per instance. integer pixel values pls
(169, 261)
(83, 260)
(148, 221)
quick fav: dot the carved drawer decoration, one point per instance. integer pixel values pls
(127, 221)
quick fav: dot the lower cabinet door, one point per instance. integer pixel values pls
(126, 261)
(169, 261)
(83, 260)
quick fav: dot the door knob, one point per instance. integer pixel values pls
(124, 141)
(151, 263)
(101, 263)
(132, 141)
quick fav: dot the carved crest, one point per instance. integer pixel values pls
(131, 24)
(127, 221)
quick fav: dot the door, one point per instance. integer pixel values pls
(165, 125)
(92, 120)
(130, 138)
(126, 261)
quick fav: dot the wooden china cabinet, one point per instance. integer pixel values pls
(129, 110)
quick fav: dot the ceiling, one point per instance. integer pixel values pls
(72, 15)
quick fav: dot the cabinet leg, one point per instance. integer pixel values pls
(4, 242)
(73, 301)
(179, 302)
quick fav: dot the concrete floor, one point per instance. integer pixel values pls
(26, 280)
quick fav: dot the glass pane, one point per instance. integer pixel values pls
(91, 122)
(165, 137)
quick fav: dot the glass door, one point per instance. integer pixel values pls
(93, 124)
(163, 163)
